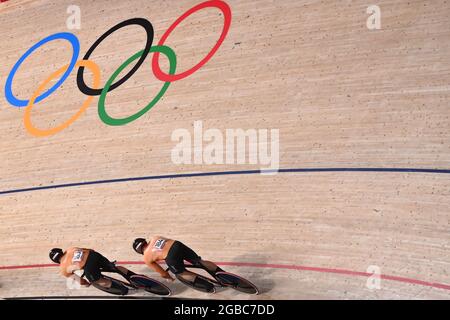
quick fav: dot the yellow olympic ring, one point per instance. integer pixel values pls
(48, 132)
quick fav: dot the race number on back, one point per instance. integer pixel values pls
(77, 256)
(159, 244)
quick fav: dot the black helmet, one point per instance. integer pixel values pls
(139, 244)
(56, 254)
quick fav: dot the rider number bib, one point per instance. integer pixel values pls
(159, 244)
(77, 256)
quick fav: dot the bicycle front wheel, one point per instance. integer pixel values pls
(150, 285)
(117, 288)
(236, 282)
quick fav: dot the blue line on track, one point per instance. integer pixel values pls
(225, 173)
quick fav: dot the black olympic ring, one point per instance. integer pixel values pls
(150, 34)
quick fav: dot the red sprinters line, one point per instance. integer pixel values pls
(278, 266)
(31, 266)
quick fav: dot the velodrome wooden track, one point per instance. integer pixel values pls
(342, 96)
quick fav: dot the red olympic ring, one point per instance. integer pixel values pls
(222, 6)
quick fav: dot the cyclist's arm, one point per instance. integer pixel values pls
(75, 277)
(155, 266)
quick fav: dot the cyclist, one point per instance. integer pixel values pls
(91, 263)
(174, 253)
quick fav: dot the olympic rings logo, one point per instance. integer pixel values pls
(111, 84)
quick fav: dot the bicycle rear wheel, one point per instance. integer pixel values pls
(236, 282)
(150, 285)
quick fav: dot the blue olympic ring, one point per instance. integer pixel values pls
(76, 51)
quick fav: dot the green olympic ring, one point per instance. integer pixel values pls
(169, 53)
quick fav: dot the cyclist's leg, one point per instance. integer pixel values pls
(125, 272)
(175, 261)
(92, 270)
(108, 266)
(196, 260)
(210, 266)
